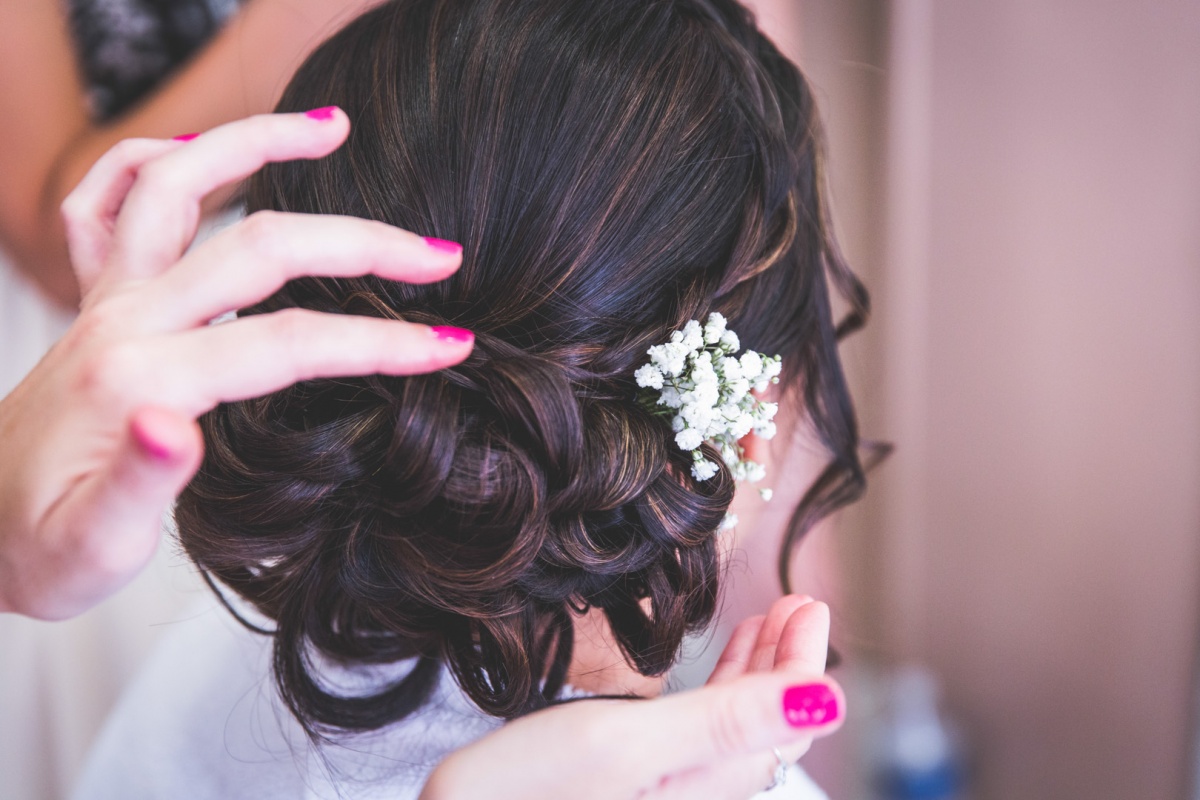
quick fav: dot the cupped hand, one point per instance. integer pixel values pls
(767, 692)
(101, 435)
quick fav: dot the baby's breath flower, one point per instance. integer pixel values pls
(670, 397)
(766, 494)
(730, 521)
(770, 373)
(738, 423)
(706, 387)
(693, 336)
(649, 376)
(703, 469)
(714, 328)
(688, 439)
(752, 365)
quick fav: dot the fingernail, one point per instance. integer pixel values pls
(443, 246)
(810, 705)
(446, 333)
(150, 445)
(186, 137)
(321, 114)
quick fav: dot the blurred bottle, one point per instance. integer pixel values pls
(918, 753)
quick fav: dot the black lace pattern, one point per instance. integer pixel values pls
(126, 47)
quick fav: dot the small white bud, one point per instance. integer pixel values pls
(688, 439)
(670, 397)
(703, 469)
(731, 369)
(751, 363)
(714, 329)
(649, 376)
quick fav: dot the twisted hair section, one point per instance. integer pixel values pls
(613, 168)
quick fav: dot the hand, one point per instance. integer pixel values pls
(101, 435)
(768, 691)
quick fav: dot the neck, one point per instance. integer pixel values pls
(597, 665)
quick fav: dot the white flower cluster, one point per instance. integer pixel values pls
(698, 377)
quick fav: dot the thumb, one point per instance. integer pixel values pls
(750, 714)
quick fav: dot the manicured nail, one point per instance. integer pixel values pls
(321, 114)
(443, 246)
(810, 705)
(446, 333)
(150, 445)
(186, 137)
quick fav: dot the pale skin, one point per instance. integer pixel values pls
(48, 140)
(715, 742)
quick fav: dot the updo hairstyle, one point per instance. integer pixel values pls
(613, 168)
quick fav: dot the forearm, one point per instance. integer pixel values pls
(241, 72)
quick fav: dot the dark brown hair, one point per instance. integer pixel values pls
(614, 169)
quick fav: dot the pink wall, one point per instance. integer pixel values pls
(1037, 535)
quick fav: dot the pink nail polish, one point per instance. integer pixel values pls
(443, 245)
(321, 114)
(810, 705)
(447, 333)
(186, 137)
(150, 445)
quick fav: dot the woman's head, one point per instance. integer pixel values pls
(613, 168)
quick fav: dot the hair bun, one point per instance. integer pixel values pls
(605, 196)
(468, 511)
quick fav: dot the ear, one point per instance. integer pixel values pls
(754, 446)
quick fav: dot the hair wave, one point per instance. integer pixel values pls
(614, 168)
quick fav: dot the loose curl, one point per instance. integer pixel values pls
(614, 169)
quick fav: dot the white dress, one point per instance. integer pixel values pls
(203, 721)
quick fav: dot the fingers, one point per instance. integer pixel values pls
(804, 640)
(254, 258)
(167, 442)
(735, 658)
(161, 452)
(90, 211)
(110, 526)
(597, 749)
(763, 657)
(158, 219)
(746, 716)
(736, 779)
(257, 355)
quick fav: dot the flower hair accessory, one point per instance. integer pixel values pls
(697, 377)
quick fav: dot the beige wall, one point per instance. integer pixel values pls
(1036, 360)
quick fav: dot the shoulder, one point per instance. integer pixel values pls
(203, 720)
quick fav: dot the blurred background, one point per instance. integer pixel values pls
(1019, 185)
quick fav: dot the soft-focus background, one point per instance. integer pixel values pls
(1019, 184)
